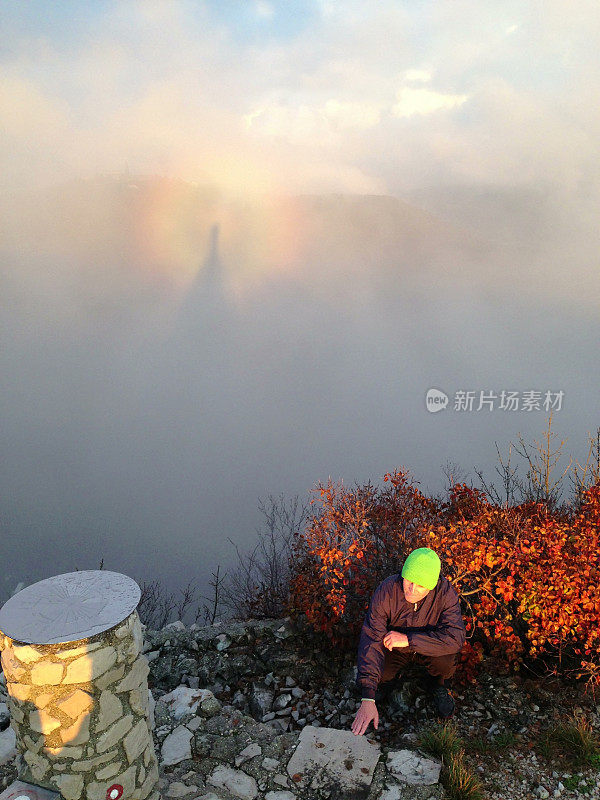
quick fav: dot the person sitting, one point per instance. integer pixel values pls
(414, 615)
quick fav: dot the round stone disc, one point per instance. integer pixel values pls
(69, 607)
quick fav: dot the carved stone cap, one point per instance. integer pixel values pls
(69, 607)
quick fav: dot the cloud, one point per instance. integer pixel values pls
(26, 111)
(305, 123)
(417, 76)
(174, 90)
(264, 9)
(425, 101)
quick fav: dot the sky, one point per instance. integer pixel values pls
(240, 241)
(303, 96)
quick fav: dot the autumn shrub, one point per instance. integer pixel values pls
(528, 578)
(359, 537)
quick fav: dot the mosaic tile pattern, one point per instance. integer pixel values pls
(80, 713)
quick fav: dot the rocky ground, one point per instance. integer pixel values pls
(232, 702)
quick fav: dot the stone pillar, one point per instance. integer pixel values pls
(78, 690)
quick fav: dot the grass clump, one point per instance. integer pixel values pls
(573, 783)
(485, 744)
(456, 777)
(460, 783)
(442, 742)
(574, 741)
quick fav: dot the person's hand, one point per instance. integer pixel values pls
(366, 714)
(394, 639)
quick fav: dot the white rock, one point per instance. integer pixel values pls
(177, 746)
(176, 626)
(222, 641)
(235, 782)
(184, 701)
(247, 753)
(393, 793)
(282, 701)
(8, 749)
(410, 767)
(152, 655)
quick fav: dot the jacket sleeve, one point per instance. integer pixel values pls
(370, 647)
(447, 636)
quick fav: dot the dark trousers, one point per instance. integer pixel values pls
(439, 668)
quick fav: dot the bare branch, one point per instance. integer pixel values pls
(212, 611)
(259, 586)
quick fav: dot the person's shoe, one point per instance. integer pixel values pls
(444, 702)
(384, 691)
(428, 682)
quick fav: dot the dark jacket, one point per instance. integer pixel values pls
(433, 626)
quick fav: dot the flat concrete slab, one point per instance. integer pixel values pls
(20, 790)
(327, 757)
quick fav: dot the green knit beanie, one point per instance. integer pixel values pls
(422, 567)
